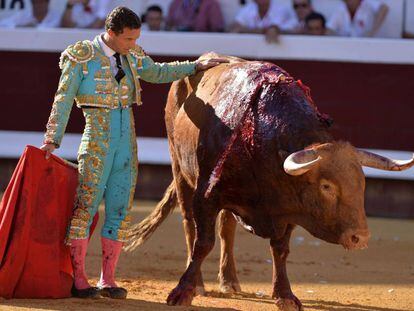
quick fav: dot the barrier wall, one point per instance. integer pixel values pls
(366, 85)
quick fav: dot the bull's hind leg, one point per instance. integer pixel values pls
(185, 201)
(229, 282)
(205, 214)
(279, 247)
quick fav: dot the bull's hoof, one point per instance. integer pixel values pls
(229, 287)
(181, 296)
(289, 304)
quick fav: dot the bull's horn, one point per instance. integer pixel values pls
(370, 159)
(300, 162)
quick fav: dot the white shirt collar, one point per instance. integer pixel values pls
(107, 50)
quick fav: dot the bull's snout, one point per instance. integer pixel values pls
(355, 239)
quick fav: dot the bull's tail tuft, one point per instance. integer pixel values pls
(142, 231)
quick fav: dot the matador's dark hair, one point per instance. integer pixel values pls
(121, 17)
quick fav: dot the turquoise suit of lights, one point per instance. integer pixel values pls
(107, 154)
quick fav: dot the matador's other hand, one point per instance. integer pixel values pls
(205, 64)
(49, 148)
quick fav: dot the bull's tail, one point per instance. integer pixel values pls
(142, 231)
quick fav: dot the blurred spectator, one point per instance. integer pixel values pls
(229, 9)
(87, 13)
(260, 16)
(163, 4)
(51, 16)
(16, 14)
(195, 15)
(292, 17)
(35, 13)
(315, 24)
(153, 19)
(40, 8)
(358, 18)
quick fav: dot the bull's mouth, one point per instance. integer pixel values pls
(351, 239)
(355, 240)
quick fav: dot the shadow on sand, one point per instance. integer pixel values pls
(94, 304)
(307, 304)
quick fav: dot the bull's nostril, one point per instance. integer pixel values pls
(355, 239)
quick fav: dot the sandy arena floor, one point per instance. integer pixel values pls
(323, 276)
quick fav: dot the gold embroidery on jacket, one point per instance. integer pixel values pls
(80, 52)
(91, 156)
(125, 224)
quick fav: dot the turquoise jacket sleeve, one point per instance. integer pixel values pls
(165, 72)
(69, 83)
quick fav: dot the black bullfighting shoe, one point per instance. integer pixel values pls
(113, 292)
(90, 292)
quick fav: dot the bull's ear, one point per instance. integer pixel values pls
(374, 160)
(300, 162)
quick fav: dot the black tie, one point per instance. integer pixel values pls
(120, 74)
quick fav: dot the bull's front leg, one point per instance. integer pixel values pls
(205, 214)
(228, 281)
(279, 247)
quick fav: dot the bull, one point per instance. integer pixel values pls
(248, 145)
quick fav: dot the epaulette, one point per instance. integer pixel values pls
(80, 52)
(137, 51)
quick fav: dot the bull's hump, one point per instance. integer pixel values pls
(256, 72)
(231, 59)
(240, 87)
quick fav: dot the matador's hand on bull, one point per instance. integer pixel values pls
(205, 64)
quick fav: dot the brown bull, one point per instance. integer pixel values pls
(246, 139)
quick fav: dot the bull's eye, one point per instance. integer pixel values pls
(328, 189)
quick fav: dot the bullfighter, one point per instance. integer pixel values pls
(102, 76)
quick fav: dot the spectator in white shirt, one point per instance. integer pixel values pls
(260, 16)
(38, 13)
(55, 11)
(87, 13)
(358, 18)
(315, 24)
(292, 17)
(153, 19)
(228, 8)
(17, 14)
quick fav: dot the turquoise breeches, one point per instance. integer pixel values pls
(108, 163)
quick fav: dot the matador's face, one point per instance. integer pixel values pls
(125, 40)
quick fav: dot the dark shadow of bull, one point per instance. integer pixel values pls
(248, 145)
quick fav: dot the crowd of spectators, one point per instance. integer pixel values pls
(354, 18)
